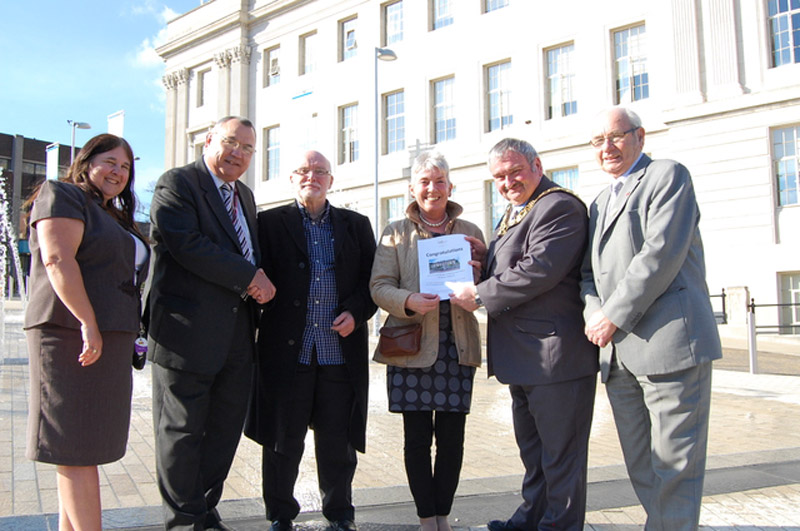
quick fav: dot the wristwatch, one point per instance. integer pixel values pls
(478, 300)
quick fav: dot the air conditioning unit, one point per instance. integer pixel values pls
(350, 40)
(274, 67)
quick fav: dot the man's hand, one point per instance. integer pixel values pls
(344, 324)
(599, 329)
(478, 249)
(464, 296)
(261, 288)
(422, 303)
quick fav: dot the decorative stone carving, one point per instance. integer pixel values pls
(173, 79)
(237, 54)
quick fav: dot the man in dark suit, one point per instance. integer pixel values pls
(202, 321)
(312, 346)
(648, 308)
(530, 290)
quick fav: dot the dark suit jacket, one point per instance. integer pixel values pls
(531, 293)
(106, 257)
(645, 269)
(280, 333)
(198, 272)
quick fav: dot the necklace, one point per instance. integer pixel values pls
(430, 224)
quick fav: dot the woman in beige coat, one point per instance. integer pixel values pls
(433, 387)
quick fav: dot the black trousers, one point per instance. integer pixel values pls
(433, 489)
(551, 425)
(323, 399)
(198, 421)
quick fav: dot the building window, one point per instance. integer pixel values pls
(393, 23)
(202, 86)
(394, 209)
(560, 92)
(498, 96)
(395, 123)
(348, 132)
(630, 65)
(272, 150)
(442, 13)
(566, 178)
(786, 161)
(308, 44)
(348, 43)
(784, 31)
(272, 66)
(497, 205)
(444, 117)
(309, 125)
(790, 294)
(493, 5)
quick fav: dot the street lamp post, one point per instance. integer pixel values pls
(75, 125)
(384, 54)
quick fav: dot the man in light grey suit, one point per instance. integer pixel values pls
(647, 307)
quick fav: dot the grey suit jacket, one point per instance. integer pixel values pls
(106, 256)
(198, 272)
(645, 269)
(531, 293)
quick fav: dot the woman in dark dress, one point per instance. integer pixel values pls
(81, 322)
(433, 387)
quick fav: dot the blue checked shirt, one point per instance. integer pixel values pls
(323, 298)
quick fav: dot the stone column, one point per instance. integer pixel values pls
(181, 116)
(223, 62)
(170, 85)
(685, 34)
(234, 80)
(722, 48)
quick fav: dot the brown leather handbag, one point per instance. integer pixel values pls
(400, 340)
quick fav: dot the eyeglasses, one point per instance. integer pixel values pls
(317, 172)
(614, 138)
(232, 143)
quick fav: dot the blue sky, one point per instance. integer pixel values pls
(82, 61)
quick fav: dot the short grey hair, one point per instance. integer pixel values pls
(225, 119)
(514, 144)
(430, 160)
(633, 118)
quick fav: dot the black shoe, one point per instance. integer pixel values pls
(281, 525)
(343, 525)
(502, 525)
(219, 526)
(214, 522)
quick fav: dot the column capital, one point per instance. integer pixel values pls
(237, 54)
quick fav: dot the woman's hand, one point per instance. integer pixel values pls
(92, 345)
(422, 303)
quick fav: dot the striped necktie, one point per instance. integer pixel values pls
(230, 197)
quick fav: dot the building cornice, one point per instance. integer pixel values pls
(209, 31)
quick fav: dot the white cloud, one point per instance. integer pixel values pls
(146, 55)
(168, 14)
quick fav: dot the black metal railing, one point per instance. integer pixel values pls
(722, 315)
(773, 328)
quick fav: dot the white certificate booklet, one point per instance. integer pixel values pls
(443, 263)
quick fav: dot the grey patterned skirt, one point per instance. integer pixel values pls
(444, 386)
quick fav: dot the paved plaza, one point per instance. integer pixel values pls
(753, 479)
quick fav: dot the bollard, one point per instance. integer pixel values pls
(751, 336)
